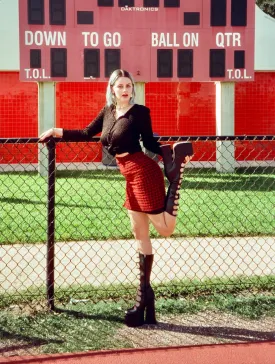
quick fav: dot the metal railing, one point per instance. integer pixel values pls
(230, 231)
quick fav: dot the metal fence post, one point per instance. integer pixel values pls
(51, 223)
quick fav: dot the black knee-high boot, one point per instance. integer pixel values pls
(172, 169)
(145, 301)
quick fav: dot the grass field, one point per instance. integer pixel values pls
(89, 205)
(97, 324)
(96, 327)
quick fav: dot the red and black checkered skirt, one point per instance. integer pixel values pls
(145, 188)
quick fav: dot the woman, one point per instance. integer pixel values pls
(122, 123)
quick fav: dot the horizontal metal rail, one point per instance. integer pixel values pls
(160, 138)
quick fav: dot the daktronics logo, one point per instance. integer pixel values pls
(134, 8)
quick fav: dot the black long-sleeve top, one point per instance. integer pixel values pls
(121, 135)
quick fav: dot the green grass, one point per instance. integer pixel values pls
(89, 205)
(66, 331)
(75, 328)
(94, 327)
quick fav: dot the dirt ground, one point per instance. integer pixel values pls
(203, 328)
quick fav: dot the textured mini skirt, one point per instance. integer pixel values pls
(145, 188)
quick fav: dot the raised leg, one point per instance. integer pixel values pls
(164, 223)
(173, 168)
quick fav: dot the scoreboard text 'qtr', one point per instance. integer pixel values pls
(156, 40)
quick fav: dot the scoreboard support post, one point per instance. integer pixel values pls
(46, 120)
(140, 99)
(140, 92)
(225, 118)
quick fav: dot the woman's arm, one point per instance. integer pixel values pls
(146, 132)
(85, 134)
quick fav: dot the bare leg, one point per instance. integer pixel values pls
(164, 223)
(140, 228)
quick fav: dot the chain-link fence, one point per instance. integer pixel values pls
(65, 237)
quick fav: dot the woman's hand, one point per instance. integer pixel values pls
(46, 134)
(55, 132)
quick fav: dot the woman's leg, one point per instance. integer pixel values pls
(140, 227)
(165, 222)
(145, 299)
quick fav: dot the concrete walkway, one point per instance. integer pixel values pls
(97, 262)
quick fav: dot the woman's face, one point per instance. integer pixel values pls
(123, 90)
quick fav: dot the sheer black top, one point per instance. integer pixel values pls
(120, 135)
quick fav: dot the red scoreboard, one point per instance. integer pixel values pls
(156, 40)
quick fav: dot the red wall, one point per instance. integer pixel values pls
(18, 107)
(176, 109)
(255, 106)
(18, 118)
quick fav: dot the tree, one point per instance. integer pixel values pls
(268, 6)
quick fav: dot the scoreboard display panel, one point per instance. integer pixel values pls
(156, 40)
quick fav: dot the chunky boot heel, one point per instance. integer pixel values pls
(145, 296)
(134, 317)
(150, 315)
(182, 149)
